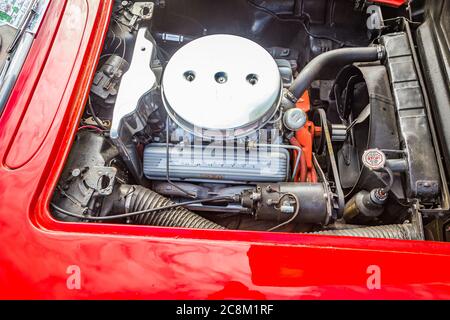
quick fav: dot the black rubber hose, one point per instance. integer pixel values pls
(137, 198)
(393, 231)
(333, 58)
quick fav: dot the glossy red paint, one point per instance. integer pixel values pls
(148, 262)
(393, 3)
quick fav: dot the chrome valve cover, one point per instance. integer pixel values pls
(214, 165)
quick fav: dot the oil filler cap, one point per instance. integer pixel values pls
(374, 159)
(295, 119)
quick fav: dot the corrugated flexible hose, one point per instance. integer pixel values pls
(137, 198)
(393, 231)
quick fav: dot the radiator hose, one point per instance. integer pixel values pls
(395, 231)
(338, 57)
(132, 198)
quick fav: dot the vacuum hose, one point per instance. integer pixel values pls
(338, 57)
(134, 198)
(394, 231)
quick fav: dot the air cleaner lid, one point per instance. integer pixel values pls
(221, 83)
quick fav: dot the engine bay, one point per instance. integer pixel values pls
(279, 116)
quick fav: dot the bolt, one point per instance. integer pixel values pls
(252, 79)
(76, 172)
(221, 77)
(189, 76)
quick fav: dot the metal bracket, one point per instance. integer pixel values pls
(97, 177)
(130, 115)
(139, 11)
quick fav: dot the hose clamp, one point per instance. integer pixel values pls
(381, 52)
(128, 198)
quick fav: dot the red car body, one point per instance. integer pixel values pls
(140, 262)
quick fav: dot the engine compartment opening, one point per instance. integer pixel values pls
(258, 115)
